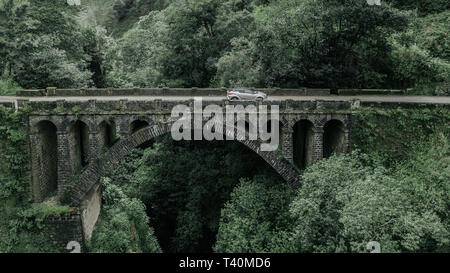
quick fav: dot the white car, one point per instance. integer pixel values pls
(245, 94)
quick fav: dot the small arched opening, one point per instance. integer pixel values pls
(138, 125)
(47, 159)
(303, 143)
(79, 144)
(107, 130)
(333, 138)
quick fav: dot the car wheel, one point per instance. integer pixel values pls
(234, 98)
(259, 99)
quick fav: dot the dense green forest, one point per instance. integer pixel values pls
(199, 196)
(216, 43)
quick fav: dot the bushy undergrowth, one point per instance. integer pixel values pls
(20, 220)
(124, 225)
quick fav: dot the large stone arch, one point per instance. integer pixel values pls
(97, 168)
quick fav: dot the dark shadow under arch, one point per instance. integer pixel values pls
(303, 139)
(107, 130)
(100, 166)
(333, 138)
(138, 125)
(47, 143)
(79, 144)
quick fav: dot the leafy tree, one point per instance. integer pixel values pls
(135, 59)
(414, 66)
(180, 45)
(422, 6)
(20, 231)
(326, 43)
(343, 205)
(8, 87)
(43, 33)
(390, 136)
(50, 66)
(256, 219)
(237, 68)
(431, 34)
(191, 43)
(124, 225)
(420, 53)
(425, 177)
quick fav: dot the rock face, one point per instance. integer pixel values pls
(443, 90)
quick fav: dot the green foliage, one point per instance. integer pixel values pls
(431, 33)
(426, 176)
(124, 225)
(133, 60)
(181, 44)
(344, 204)
(20, 234)
(325, 43)
(185, 43)
(390, 135)
(20, 221)
(38, 212)
(414, 66)
(420, 55)
(237, 68)
(95, 13)
(256, 219)
(289, 43)
(13, 156)
(184, 187)
(422, 6)
(187, 188)
(8, 87)
(42, 45)
(21, 228)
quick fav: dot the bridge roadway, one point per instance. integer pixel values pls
(367, 98)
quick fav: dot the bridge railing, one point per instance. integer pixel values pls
(119, 92)
(164, 92)
(354, 92)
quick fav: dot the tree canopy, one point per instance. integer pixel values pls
(211, 43)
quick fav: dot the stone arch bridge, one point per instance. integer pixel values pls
(73, 143)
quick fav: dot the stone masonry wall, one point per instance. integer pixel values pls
(64, 229)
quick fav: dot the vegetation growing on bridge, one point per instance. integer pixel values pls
(124, 226)
(391, 136)
(20, 220)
